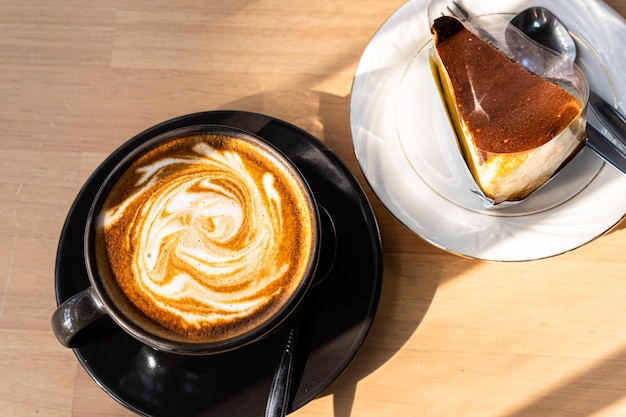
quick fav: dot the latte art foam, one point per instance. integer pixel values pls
(207, 236)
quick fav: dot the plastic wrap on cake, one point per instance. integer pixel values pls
(517, 108)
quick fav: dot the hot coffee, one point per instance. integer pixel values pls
(207, 235)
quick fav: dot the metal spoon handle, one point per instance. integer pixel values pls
(278, 399)
(610, 118)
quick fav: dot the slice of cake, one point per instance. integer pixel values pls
(511, 124)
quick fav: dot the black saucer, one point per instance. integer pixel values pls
(336, 315)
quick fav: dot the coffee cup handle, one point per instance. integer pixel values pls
(76, 314)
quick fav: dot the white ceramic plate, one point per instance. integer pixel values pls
(407, 150)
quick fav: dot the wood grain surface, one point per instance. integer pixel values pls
(452, 337)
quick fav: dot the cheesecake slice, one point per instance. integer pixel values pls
(515, 129)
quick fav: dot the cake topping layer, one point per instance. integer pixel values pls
(504, 107)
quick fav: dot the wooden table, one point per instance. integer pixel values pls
(452, 337)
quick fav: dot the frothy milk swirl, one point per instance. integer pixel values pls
(205, 238)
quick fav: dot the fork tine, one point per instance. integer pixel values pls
(461, 10)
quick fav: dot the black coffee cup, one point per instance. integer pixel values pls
(201, 240)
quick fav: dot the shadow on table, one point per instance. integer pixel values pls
(583, 395)
(413, 271)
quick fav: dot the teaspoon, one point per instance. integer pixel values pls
(280, 390)
(545, 28)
